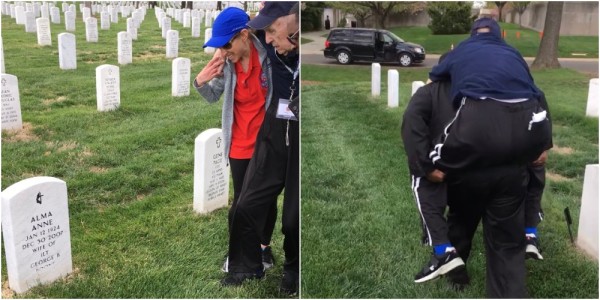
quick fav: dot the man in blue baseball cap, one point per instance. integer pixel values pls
(229, 22)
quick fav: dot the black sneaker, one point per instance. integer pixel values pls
(439, 265)
(533, 250)
(289, 283)
(237, 278)
(458, 278)
(267, 258)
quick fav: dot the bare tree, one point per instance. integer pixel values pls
(382, 10)
(360, 12)
(520, 7)
(547, 56)
(500, 5)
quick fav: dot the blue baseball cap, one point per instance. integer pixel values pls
(271, 12)
(486, 22)
(229, 22)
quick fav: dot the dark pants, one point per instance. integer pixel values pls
(430, 198)
(535, 189)
(238, 171)
(491, 133)
(496, 196)
(274, 166)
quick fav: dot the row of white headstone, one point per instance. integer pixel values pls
(108, 90)
(109, 14)
(592, 109)
(35, 216)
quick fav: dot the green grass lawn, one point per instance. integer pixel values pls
(360, 226)
(129, 172)
(527, 44)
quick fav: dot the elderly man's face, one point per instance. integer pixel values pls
(276, 34)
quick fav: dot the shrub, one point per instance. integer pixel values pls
(450, 17)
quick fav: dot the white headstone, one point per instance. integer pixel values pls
(137, 18)
(108, 90)
(104, 20)
(166, 26)
(593, 103)
(375, 79)
(186, 19)
(196, 27)
(65, 6)
(211, 174)
(131, 28)
(393, 90)
(2, 67)
(124, 48)
(55, 15)
(207, 20)
(207, 36)
(44, 11)
(69, 21)
(416, 85)
(67, 53)
(20, 15)
(172, 43)
(91, 30)
(44, 36)
(114, 16)
(86, 13)
(37, 236)
(30, 25)
(587, 235)
(181, 77)
(160, 18)
(11, 103)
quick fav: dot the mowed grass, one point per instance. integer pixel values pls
(360, 225)
(527, 43)
(129, 172)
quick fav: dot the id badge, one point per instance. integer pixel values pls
(283, 111)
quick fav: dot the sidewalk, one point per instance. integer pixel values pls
(318, 43)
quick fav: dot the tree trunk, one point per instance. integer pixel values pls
(547, 56)
(500, 5)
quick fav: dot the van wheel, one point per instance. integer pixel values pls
(405, 59)
(343, 57)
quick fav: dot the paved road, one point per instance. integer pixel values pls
(312, 54)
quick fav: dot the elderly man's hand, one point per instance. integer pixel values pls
(436, 176)
(541, 160)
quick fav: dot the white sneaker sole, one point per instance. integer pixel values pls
(451, 265)
(532, 252)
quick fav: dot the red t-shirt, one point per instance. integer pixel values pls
(248, 107)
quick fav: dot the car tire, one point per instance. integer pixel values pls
(405, 59)
(343, 57)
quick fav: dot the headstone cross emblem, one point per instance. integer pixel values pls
(3, 82)
(38, 198)
(218, 141)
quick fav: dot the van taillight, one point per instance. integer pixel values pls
(326, 43)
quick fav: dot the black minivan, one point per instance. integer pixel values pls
(366, 44)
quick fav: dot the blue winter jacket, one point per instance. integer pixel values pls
(484, 66)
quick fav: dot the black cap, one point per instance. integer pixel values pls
(271, 12)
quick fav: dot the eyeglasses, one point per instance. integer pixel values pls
(229, 44)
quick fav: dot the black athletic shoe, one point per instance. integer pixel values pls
(289, 283)
(458, 278)
(236, 278)
(267, 258)
(439, 265)
(533, 250)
